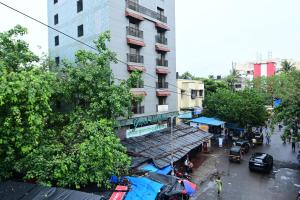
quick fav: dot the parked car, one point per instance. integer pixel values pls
(244, 144)
(261, 162)
(259, 137)
(235, 154)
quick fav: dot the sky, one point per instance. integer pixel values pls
(210, 34)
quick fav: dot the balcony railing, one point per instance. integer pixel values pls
(162, 85)
(138, 109)
(160, 62)
(146, 11)
(135, 58)
(135, 32)
(139, 84)
(162, 108)
(161, 40)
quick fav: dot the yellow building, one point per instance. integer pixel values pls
(190, 95)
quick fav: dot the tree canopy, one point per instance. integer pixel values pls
(57, 128)
(245, 108)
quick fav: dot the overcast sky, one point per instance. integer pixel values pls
(210, 33)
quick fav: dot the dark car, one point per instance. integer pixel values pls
(235, 154)
(244, 144)
(261, 162)
(259, 137)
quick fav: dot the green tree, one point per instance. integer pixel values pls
(287, 66)
(15, 54)
(246, 107)
(232, 79)
(58, 128)
(212, 85)
(288, 91)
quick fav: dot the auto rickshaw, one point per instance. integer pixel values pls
(235, 154)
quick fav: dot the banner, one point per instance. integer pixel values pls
(145, 130)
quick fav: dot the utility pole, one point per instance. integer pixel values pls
(172, 164)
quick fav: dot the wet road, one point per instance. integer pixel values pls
(241, 184)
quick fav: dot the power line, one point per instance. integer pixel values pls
(87, 45)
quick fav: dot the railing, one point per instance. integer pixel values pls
(138, 109)
(139, 84)
(135, 58)
(162, 85)
(161, 40)
(146, 11)
(135, 32)
(162, 108)
(160, 62)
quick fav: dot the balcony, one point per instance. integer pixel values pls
(162, 85)
(139, 84)
(162, 108)
(135, 58)
(161, 62)
(135, 32)
(146, 11)
(138, 109)
(161, 40)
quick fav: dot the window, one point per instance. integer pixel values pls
(161, 78)
(200, 93)
(80, 30)
(55, 19)
(193, 94)
(55, 1)
(79, 6)
(57, 60)
(56, 40)
(162, 100)
(133, 25)
(134, 51)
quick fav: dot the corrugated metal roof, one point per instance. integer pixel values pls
(157, 146)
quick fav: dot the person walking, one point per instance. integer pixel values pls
(293, 139)
(298, 158)
(219, 185)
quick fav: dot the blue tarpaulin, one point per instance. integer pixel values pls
(152, 168)
(234, 127)
(208, 121)
(143, 188)
(277, 103)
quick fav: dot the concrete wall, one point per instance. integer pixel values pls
(184, 99)
(101, 15)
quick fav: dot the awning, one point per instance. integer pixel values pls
(208, 121)
(143, 188)
(156, 147)
(152, 168)
(162, 48)
(135, 42)
(233, 126)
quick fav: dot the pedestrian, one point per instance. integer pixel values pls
(186, 164)
(293, 144)
(219, 185)
(298, 158)
(279, 127)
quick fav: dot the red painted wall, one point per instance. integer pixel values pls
(270, 69)
(257, 70)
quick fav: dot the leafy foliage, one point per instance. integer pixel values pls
(245, 108)
(287, 66)
(14, 52)
(57, 128)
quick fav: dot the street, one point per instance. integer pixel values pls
(241, 184)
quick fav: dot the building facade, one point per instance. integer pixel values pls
(142, 36)
(190, 96)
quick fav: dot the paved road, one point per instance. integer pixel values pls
(241, 184)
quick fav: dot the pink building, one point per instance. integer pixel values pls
(265, 69)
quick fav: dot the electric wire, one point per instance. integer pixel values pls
(91, 47)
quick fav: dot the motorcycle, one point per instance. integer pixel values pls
(298, 196)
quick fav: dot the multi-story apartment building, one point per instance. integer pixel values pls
(190, 95)
(142, 35)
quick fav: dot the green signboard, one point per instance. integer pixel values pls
(142, 121)
(145, 130)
